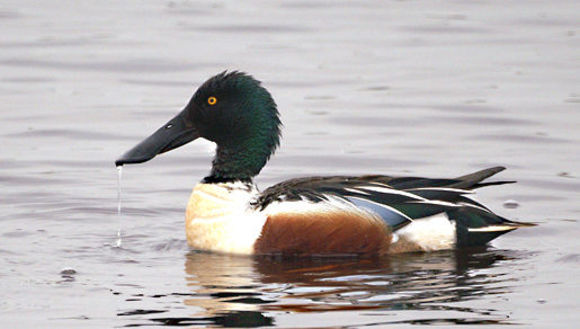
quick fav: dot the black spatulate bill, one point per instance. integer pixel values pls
(175, 133)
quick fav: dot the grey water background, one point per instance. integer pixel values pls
(430, 88)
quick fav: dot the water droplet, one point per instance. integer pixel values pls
(68, 271)
(511, 204)
(119, 241)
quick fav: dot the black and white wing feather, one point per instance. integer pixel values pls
(401, 200)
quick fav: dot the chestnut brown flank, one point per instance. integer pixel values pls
(323, 234)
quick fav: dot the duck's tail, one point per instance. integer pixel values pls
(477, 227)
(474, 180)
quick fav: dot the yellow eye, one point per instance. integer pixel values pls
(212, 100)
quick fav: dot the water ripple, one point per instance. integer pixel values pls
(135, 66)
(409, 283)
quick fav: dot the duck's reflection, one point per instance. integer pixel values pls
(249, 291)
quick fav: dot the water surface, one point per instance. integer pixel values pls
(396, 87)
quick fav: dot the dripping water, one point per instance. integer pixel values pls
(119, 176)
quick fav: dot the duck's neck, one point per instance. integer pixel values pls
(238, 162)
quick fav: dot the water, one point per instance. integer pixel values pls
(395, 87)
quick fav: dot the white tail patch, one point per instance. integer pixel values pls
(348, 189)
(442, 189)
(431, 233)
(470, 205)
(386, 190)
(492, 228)
(332, 203)
(438, 203)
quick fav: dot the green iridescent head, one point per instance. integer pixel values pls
(231, 109)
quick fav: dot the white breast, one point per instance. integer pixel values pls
(219, 218)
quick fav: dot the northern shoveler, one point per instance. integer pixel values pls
(334, 215)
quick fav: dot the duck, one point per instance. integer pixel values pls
(370, 215)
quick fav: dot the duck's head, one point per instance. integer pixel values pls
(231, 109)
